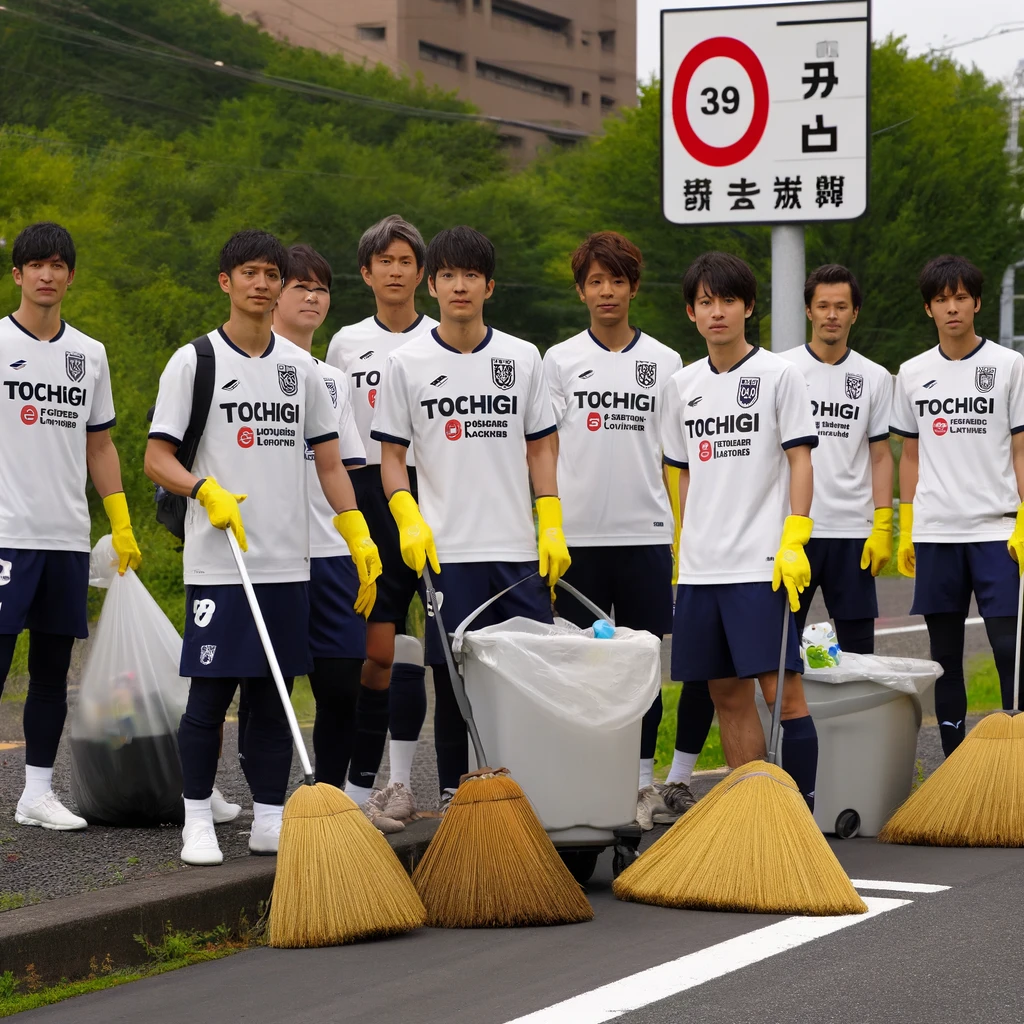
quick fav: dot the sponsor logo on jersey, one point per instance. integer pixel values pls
(17, 364)
(5, 572)
(695, 401)
(615, 400)
(288, 378)
(207, 653)
(704, 450)
(472, 405)
(367, 355)
(503, 373)
(230, 386)
(930, 384)
(646, 373)
(438, 381)
(202, 612)
(332, 387)
(372, 377)
(747, 391)
(29, 415)
(854, 386)
(246, 437)
(593, 421)
(970, 404)
(74, 363)
(941, 427)
(453, 430)
(586, 373)
(985, 378)
(371, 397)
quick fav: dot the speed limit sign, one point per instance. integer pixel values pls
(765, 113)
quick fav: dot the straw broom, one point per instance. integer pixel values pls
(750, 845)
(490, 863)
(337, 879)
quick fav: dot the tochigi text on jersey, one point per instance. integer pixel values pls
(267, 413)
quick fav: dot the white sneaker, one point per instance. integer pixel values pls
(264, 837)
(48, 812)
(200, 845)
(223, 811)
(651, 809)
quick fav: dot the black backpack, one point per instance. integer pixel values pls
(171, 508)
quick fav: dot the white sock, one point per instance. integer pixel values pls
(646, 771)
(358, 793)
(38, 782)
(682, 767)
(401, 754)
(198, 810)
(266, 816)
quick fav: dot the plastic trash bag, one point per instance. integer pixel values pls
(125, 768)
(907, 675)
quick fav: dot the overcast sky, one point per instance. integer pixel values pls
(925, 23)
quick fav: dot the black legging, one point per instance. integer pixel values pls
(694, 716)
(336, 688)
(451, 741)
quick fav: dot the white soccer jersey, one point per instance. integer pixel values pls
(609, 440)
(851, 402)
(52, 394)
(469, 417)
(963, 411)
(263, 410)
(731, 431)
(361, 350)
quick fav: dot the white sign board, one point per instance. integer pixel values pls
(764, 113)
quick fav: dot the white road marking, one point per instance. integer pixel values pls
(920, 628)
(628, 994)
(871, 883)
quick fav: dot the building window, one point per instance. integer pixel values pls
(440, 55)
(533, 17)
(585, 98)
(607, 40)
(372, 33)
(608, 104)
(517, 80)
(607, 79)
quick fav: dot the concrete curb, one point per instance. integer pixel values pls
(61, 937)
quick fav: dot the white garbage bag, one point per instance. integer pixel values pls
(907, 675)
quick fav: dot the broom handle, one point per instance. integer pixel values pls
(773, 746)
(458, 687)
(268, 649)
(1016, 656)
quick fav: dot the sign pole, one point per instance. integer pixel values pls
(789, 321)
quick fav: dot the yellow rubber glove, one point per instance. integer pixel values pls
(791, 565)
(1015, 544)
(878, 547)
(551, 546)
(222, 508)
(672, 481)
(126, 547)
(905, 560)
(415, 537)
(352, 526)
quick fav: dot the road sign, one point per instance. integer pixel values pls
(764, 113)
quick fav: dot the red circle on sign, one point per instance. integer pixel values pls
(720, 156)
(453, 430)
(940, 426)
(594, 421)
(246, 438)
(29, 415)
(705, 451)
(371, 397)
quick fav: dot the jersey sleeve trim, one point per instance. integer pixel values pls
(1017, 430)
(156, 435)
(673, 462)
(332, 436)
(811, 440)
(352, 463)
(885, 437)
(379, 435)
(92, 428)
(537, 435)
(912, 434)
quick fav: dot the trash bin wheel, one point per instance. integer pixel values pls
(581, 863)
(847, 824)
(623, 856)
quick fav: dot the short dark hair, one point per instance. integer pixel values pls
(461, 248)
(722, 274)
(949, 272)
(306, 264)
(250, 246)
(392, 228)
(613, 251)
(832, 273)
(40, 242)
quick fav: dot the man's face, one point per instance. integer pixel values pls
(607, 295)
(720, 320)
(302, 307)
(832, 313)
(460, 293)
(953, 312)
(45, 281)
(254, 287)
(393, 274)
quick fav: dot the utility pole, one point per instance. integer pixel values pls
(789, 270)
(1008, 293)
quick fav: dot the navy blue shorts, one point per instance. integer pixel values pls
(336, 630)
(848, 590)
(397, 583)
(722, 630)
(47, 591)
(463, 586)
(220, 634)
(634, 584)
(947, 573)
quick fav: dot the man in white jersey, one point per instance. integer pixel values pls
(851, 398)
(605, 386)
(473, 403)
(394, 695)
(56, 412)
(269, 400)
(738, 425)
(960, 408)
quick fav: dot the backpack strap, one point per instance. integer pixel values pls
(202, 398)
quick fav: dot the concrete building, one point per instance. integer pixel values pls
(561, 64)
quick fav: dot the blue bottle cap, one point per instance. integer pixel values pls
(603, 629)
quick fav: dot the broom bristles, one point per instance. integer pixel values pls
(974, 798)
(750, 845)
(337, 879)
(492, 865)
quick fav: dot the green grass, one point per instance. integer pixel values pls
(711, 756)
(982, 685)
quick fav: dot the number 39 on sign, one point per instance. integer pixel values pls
(765, 113)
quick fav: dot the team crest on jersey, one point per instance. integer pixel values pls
(747, 392)
(74, 362)
(332, 387)
(503, 373)
(854, 386)
(985, 378)
(288, 378)
(646, 374)
(206, 653)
